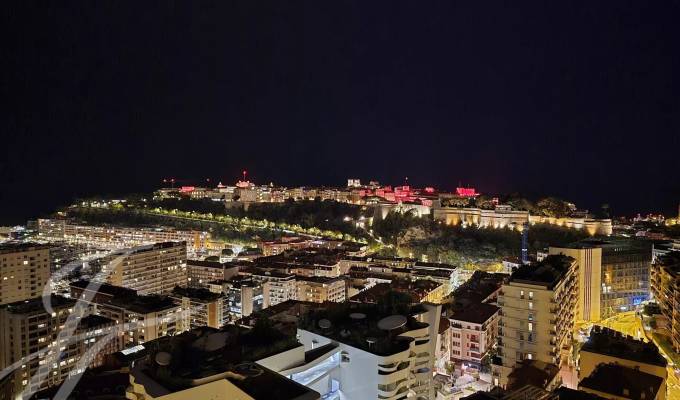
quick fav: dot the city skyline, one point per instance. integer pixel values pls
(322, 200)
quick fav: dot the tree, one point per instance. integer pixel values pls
(485, 202)
(553, 207)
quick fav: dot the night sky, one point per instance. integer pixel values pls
(574, 99)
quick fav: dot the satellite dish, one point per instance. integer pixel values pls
(325, 324)
(392, 322)
(163, 358)
(248, 369)
(357, 316)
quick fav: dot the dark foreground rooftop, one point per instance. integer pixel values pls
(612, 343)
(198, 356)
(617, 380)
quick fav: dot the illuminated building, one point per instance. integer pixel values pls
(244, 295)
(117, 237)
(353, 183)
(473, 332)
(502, 216)
(28, 329)
(320, 289)
(373, 354)
(367, 271)
(613, 275)
(665, 282)
(24, 270)
(200, 273)
(538, 305)
(594, 226)
(277, 286)
(205, 308)
(417, 208)
(236, 364)
(152, 269)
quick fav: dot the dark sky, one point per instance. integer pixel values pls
(574, 99)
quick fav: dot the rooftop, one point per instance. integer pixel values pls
(308, 256)
(335, 321)
(209, 264)
(201, 294)
(144, 304)
(148, 247)
(94, 321)
(416, 290)
(478, 288)
(564, 393)
(623, 382)
(547, 272)
(94, 384)
(532, 372)
(105, 288)
(36, 304)
(318, 279)
(477, 313)
(612, 343)
(14, 247)
(268, 273)
(198, 356)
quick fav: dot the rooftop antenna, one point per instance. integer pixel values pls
(244, 175)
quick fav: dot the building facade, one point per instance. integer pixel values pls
(473, 332)
(152, 269)
(614, 275)
(320, 289)
(34, 346)
(665, 281)
(538, 306)
(24, 270)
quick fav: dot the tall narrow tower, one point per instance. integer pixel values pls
(525, 243)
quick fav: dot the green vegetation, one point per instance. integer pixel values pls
(261, 221)
(413, 236)
(547, 207)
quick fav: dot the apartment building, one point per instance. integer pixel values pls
(277, 286)
(151, 269)
(205, 308)
(243, 295)
(473, 332)
(200, 273)
(28, 329)
(607, 346)
(142, 318)
(24, 271)
(372, 354)
(237, 364)
(665, 282)
(117, 237)
(613, 275)
(320, 289)
(538, 306)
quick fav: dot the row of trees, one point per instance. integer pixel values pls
(548, 206)
(308, 214)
